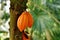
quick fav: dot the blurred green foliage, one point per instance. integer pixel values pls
(6, 39)
(46, 14)
(5, 16)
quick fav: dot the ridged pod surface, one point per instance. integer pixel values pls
(24, 20)
(30, 19)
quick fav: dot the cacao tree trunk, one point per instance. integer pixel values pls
(16, 8)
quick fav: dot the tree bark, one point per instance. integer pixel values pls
(16, 8)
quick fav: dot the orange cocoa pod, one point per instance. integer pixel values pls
(22, 22)
(30, 19)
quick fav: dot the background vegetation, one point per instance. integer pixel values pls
(46, 14)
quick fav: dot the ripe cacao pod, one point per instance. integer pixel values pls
(24, 20)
